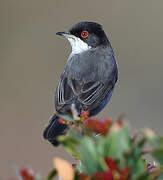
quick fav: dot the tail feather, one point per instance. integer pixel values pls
(54, 129)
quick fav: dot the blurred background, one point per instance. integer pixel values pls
(32, 58)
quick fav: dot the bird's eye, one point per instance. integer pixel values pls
(84, 34)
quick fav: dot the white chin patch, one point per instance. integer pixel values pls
(78, 46)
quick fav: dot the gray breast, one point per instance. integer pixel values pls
(91, 65)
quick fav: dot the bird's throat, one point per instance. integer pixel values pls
(78, 46)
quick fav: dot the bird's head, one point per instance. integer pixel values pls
(85, 35)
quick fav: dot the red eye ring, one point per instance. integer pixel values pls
(84, 34)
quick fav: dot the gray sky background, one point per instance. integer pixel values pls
(32, 58)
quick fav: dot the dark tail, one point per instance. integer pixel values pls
(53, 130)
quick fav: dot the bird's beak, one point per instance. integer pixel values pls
(65, 34)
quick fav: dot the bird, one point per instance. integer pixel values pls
(88, 79)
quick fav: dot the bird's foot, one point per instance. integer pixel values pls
(84, 115)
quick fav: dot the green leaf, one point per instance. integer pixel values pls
(117, 143)
(158, 150)
(144, 176)
(70, 145)
(141, 142)
(89, 156)
(136, 163)
(101, 144)
(160, 176)
(158, 154)
(76, 135)
(51, 175)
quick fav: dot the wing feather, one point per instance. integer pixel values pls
(89, 87)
